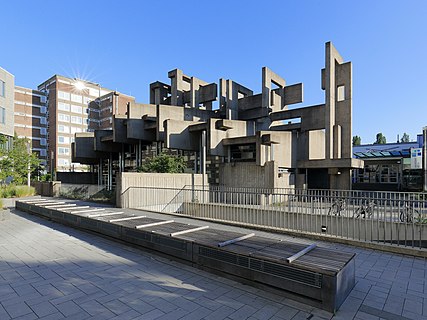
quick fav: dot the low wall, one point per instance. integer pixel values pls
(48, 188)
(131, 192)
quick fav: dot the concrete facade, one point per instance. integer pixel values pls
(313, 152)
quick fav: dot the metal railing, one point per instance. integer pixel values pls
(390, 218)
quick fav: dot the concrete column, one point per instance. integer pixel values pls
(110, 172)
(100, 172)
(203, 157)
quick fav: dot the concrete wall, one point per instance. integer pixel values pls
(130, 192)
(47, 189)
(7, 102)
(251, 175)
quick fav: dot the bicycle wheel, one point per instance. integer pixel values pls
(402, 216)
(356, 214)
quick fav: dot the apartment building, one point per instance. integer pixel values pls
(7, 84)
(75, 106)
(30, 115)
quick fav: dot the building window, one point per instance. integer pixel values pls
(63, 140)
(42, 120)
(75, 130)
(63, 162)
(42, 142)
(77, 120)
(87, 100)
(43, 110)
(2, 88)
(63, 106)
(76, 98)
(63, 95)
(62, 151)
(43, 99)
(43, 152)
(2, 115)
(63, 117)
(43, 131)
(76, 109)
(62, 128)
(94, 92)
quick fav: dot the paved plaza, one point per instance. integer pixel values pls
(50, 271)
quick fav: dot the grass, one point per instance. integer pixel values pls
(13, 191)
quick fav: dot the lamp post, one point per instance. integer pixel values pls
(29, 164)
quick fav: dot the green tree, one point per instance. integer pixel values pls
(357, 141)
(14, 162)
(164, 163)
(405, 138)
(380, 139)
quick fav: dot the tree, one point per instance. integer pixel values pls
(405, 138)
(164, 163)
(380, 139)
(357, 141)
(14, 162)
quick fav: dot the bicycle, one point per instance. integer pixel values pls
(365, 210)
(408, 212)
(337, 207)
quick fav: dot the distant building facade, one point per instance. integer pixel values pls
(389, 167)
(30, 115)
(7, 85)
(75, 106)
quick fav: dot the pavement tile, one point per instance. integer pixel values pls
(88, 277)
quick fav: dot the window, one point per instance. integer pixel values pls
(62, 128)
(43, 99)
(63, 117)
(63, 95)
(42, 141)
(43, 131)
(62, 151)
(75, 129)
(63, 162)
(94, 92)
(87, 100)
(63, 140)
(2, 88)
(43, 152)
(2, 115)
(63, 106)
(75, 119)
(76, 98)
(76, 109)
(42, 120)
(43, 110)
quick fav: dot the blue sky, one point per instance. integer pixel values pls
(126, 45)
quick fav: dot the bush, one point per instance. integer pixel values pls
(12, 191)
(164, 163)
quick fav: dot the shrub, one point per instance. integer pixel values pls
(12, 191)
